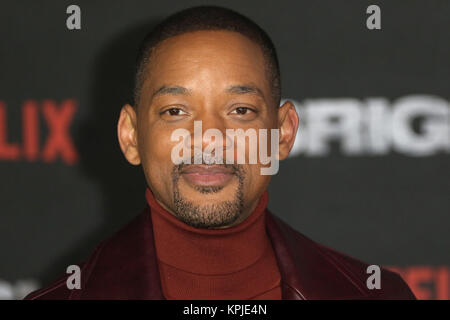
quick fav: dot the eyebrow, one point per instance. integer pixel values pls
(171, 90)
(245, 89)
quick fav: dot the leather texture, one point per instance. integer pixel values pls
(125, 267)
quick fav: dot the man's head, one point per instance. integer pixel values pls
(207, 18)
(212, 65)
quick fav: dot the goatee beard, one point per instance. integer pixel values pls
(209, 216)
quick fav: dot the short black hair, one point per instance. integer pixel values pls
(208, 18)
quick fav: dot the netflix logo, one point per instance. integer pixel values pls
(426, 282)
(58, 144)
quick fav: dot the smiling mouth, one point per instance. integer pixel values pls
(207, 175)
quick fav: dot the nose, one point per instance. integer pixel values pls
(209, 136)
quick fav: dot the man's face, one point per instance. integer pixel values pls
(220, 79)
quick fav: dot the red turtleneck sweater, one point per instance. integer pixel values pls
(232, 263)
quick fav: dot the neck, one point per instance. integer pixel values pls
(209, 251)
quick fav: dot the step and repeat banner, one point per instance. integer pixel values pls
(368, 175)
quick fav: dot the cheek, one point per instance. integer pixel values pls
(155, 150)
(255, 183)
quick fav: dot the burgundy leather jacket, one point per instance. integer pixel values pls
(125, 267)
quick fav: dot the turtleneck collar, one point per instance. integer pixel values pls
(209, 251)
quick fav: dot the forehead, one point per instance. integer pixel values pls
(207, 58)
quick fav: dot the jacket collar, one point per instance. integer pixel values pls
(125, 265)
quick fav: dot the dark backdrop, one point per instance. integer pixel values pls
(370, 171)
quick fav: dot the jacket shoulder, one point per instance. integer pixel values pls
(325, 265)
(123, 266)
(392, 286)
(55, 291)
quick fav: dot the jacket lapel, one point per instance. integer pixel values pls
(124, 266)
(286, 264)
(307, 270)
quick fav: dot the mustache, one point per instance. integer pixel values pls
(236, 169)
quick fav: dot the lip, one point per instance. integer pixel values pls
(207, 175)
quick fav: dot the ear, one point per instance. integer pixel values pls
(288, 125)
(127, 134)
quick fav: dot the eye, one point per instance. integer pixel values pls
(174, 112)
(242, 111)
